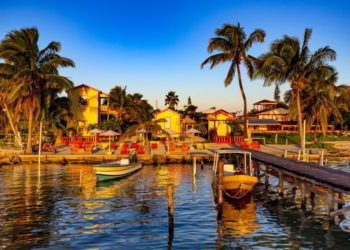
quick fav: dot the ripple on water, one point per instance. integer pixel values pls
(60, 210)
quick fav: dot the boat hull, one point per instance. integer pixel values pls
(104, 173)
(238, 186)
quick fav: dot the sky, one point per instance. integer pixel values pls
(157, 46)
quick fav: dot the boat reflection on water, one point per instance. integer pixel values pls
(239, 217)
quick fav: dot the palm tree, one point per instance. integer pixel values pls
(119, 101)
(5, 107)
(31, 72)
(171, 100)
(232, 45)
(59, 112)
(290, 61)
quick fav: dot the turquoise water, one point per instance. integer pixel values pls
(64, 208)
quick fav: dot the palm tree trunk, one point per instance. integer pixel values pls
(14, 130)
(245, 112)
(30, 127)
(300, 119)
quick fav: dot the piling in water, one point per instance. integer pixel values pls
(170, 213)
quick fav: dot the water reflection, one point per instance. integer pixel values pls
(64, 207)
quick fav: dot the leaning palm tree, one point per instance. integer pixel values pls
(171, 100)
(232, 45)
(290, 61)
(31, 72)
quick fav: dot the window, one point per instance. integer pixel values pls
(103, 117)
(103, 101)
(83, 100)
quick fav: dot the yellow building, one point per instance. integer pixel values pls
(172, 121)
(219, 121)
(89, 106)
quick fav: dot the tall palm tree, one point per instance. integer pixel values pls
(233, 45)
(291, 61)
(32, 72)
(171, 100)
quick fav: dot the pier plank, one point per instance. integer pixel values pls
(332, 177)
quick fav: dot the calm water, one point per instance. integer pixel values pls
(64, 208)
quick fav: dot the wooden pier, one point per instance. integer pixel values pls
(309, 178)
(313, 173)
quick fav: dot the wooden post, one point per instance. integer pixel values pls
(220, 193)
(220, 180)
(340, 197)
(321, 157)
(330, 200)
(257, 171)
(194, 169)
(285, 153)
(266, 178)
(170, 213)
(299, 154)
(303, 195)
(276, 138)
(280, 185)
(39, 152)
(294, 191)
(312, 199)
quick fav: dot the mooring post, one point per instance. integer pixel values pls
(299, 154)
(312, 199)
(266, 178)
(170, 212)
(285, 153)
(220, 194)
(257, 170)
(303, 195)
(294, 191)
(340, 197)
(194, 170)
(330, 199)
(280, 184)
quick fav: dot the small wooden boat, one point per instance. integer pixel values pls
(238, 183)
(116, 170)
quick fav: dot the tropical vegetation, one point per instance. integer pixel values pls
(289, 60)
(232, 44)
(171, 100)
(31, 82)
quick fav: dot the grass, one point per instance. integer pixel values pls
(320, 145)
(293, 138)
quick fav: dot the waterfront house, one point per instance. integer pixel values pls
(218, 122)
(172, 121)
(89, 106)
(266, 109)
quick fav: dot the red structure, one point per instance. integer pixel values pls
(228, 139)
(79, 140)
